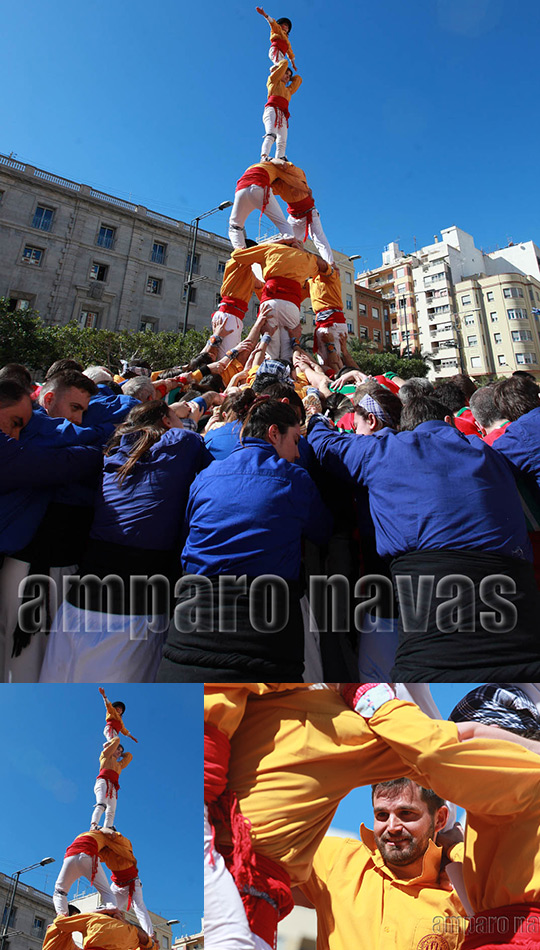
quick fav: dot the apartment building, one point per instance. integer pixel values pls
(394, 281)
(373, 317)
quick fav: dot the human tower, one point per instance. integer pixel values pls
(290, 273)
(101, 845)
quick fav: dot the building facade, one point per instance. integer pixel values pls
(75, 253)
(31, 914)
(373, 317)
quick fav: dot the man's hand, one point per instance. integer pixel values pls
(246, 346)
(353, 376)
(261, 11)
(133, 737)
(102, 691)
(477, 730)
(447, 839)
(219, 326)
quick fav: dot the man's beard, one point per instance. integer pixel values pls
(403, 850)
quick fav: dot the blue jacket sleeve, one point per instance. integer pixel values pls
(339, 453)
(24, 465)
(318, 522)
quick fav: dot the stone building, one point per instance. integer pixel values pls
(31, 914)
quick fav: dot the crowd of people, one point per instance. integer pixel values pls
(263, 511)
(279, 759)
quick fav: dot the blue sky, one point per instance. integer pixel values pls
(356, 807)
(412, 116)
(49, 749)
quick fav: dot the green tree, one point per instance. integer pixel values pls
(375, 362)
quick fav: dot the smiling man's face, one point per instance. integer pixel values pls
(402, 824)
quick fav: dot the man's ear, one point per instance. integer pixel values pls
(450, 421)
(441, 817)
(47, 399)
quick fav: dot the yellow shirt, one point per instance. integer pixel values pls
(98, 930)
(238, 281)
(234, 367)
(325, 292)
(275, 84)
(113, 849)
(497, 782)
(108, 760)
(291, 184)
(279, 260)
(355, 893)
(278, 33)
(295, 753)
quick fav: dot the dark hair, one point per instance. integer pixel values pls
(61, 365)
(265, 413)
(199, 362)
(212, 382)
(277, 390)
(421, 409)
(19, 373)
(285, 19)
(523, 372)
(388, 401)
(145, 424)
(432, 800)
(515, 396)
(120, 703)
(483, 406)
(464, 383)
(11, 392)
(65, 379)
(451, 397)
(238, 403)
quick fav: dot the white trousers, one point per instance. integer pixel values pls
(225, 921)
(280, 314)
(121, 896)
(315, 232)
(275, 55)
(332, 335)
(232, 323)
(250, 199)
(274, 133)
(26, 667)
(86, 646)
(104, 804)
(74, 867)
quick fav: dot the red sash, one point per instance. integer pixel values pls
(85, 844)
(281, 45)
(264, 885)
(115, 724)
(217, 750)
(253, 176)
(334, 316)
(515, 925)
(282, 288)
(125, 877)
(280, 106)
(303, 209)
(233, 305)
(112, 779)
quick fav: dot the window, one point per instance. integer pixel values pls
(475, 362)
(513, 292)
(18, 303)
(526, 358)
(347, 277)
(196, 261)
(98, 271)
(490, 295)
(2, 193)
(218, 301)
(12, 917)
(400, 272)
(375, 313)
(493, 317)
(105, 237)
(362, 309)
(43, 218)
(148, 325)
(502, 359)
(386, 314)
(401, 288)
(469, 319)
(531, 292)
(466, 299)
(395, 337)
(363, 333)
(349, 302)
(158, 253)
(192, 295)
(32, 255)
(88, 319)
(350, 328)
(472, 340)
(221, 268)
(402, 302)
(39, 925)
(517, 314)
(497, 337)
(153, 286)
(377, 336)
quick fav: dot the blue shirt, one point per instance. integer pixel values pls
(247, 514)
(520, 444)
(106, 410)
(147, 510)
(221, 441)
(429, 489)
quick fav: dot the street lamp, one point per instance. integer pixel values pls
(9, 908)
(171, 922)
(191, 280)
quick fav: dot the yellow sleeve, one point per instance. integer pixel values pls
(276, 75)
(250, 255)
(125, 761)
(77, 922)
(197, 375)
(486, 776)
(295, 84)
(224, 705)
(325, 855)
